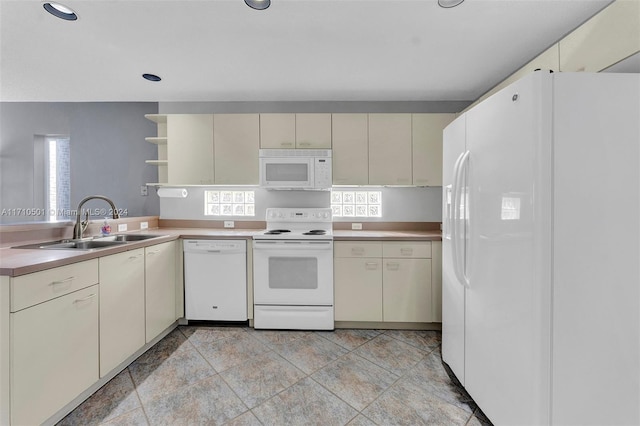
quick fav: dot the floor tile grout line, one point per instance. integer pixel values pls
(379, 396)
(135, 388)
(406, 342)
(350, 349)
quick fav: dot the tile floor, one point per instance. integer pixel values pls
(241, 376)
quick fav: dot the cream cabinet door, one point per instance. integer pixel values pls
(426, 143)
(350, 149)
(160, 288)
(406, 290)
(358, 289)
(122, 307)
(236, 141)
(313, 131)
(278, 131)
(190, 149)
(609, 37)
(390, 149)
(54, 354)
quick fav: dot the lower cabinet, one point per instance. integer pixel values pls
(64, 328)
(388, 281)
(54, 354)
(358, 289)
(122, 307)
(160, 288)
(406, 292)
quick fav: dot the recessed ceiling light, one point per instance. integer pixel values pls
(60, 11)
(258, 4)
(449, 3)
(151, 77)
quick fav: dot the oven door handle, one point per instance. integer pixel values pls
(296, 245)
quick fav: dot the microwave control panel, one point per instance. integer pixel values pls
(322, 173)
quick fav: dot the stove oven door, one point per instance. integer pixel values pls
(293, 272)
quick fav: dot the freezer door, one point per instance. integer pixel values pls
(452, 289)
(596, 292)
(507, 300)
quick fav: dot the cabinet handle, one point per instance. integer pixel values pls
(84, 299)
(305, 144)
(153, 252)
(286, 143)
(393, 266)
(371, 265)
(357, 250)
(64, 281)
(406, 250)
(135, 257)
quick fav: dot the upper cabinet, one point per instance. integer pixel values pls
(607, 38)
(390, 149)
(313, 131)
(236, 140)
(190, 149)
(367, 149)
(288, 131)
(350, 153)
(278, 131)
(427, 147)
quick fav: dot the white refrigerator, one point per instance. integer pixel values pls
(541, 250)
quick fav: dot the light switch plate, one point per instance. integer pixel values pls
(356, 226)
(122, 227)
(229, 224)
(144, 225)
(144, 191)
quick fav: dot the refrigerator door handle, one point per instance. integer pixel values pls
(454, 218)
(457, 249)
(449, 220)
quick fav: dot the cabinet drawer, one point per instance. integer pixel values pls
(31, 289)
(412, 250)
(357, 249)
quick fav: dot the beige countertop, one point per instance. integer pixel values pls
(15, 262)
(344, 235)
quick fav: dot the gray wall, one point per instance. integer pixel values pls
(108, 151)
(399, 204)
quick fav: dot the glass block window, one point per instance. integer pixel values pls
(356, 203)
(229, 203)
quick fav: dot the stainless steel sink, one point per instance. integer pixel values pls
(85, 244)
(128, 237)
(89, 243)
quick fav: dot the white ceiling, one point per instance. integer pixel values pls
(297, 50)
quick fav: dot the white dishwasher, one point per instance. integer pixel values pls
(215, 273)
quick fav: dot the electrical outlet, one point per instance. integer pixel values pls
(122, 227)
(144, 225)
(229, 224)
(356, 226)
(144, 190)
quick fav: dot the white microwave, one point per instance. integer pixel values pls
(295, 169)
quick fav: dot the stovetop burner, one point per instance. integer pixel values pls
(301, 224)
(277, 231)
(315, 232)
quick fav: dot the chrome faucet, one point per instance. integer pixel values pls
(80, 227)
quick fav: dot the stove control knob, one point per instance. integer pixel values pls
(325, 215)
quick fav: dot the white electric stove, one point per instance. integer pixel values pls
(293, 270)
